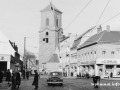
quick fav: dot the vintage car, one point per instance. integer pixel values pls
(55, 78)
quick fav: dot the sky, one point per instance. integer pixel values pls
(22, 18)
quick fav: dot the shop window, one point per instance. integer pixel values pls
(118, 66)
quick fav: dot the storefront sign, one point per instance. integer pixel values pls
(88, 62)
(109, 61)
(4, 57)
(1, 57)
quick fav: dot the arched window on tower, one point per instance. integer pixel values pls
(46, 33)
(47, 21)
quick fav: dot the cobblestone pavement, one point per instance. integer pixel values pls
(70, 84)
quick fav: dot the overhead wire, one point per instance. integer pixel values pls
(101, 15)
(111, 18)
(78, 14)
(102, 12)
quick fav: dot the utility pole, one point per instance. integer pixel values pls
(25, 61)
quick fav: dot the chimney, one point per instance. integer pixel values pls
(108, 28)
(99, 29)
(69, 34)
(76, 36)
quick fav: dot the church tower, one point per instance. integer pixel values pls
(50, 33)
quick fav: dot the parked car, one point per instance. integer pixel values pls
(55, 78)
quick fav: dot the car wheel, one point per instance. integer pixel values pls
(61, 84)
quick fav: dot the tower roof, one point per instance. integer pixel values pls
(54, 59)
(50, 7)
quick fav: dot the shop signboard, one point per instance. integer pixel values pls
(108, 61)
(4, 57)
(88, 62)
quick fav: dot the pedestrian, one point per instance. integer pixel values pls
(23, 74)
(27, 74)
(18, 79)
(96, 79)
(13, 81)
(1, 76)
(35, 81)
(111, 74)
(8, 76)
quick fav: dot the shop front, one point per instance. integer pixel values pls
(108, 67)
(87, 67)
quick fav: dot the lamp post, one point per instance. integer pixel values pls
(25, 64)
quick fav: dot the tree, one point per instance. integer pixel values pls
(30, 59)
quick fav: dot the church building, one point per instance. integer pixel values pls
(49, 37)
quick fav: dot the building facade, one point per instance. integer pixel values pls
(99, 55)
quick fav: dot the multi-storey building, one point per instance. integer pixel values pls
(66, 62)
(99, 54)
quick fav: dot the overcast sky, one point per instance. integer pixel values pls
(21, 18)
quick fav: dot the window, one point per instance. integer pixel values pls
(46, 40)
(56, 22)
(103, 52)
(91, 55)
(88, 56)
(47, 21)
(112, 52)
(43, 39)
(95, 54)
(46, 33)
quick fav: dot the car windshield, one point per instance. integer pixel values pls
(55, 74)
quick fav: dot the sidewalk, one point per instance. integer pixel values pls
(111, 78)
(4, 86)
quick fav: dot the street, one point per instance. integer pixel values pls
(69, 84)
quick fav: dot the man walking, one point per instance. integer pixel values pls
(8, 76)
(18, 79)
(35, 81)
(1, 76)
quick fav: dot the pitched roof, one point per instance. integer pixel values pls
(75, 43)
(78, 40)
(54, 59)
(102, 37)
(64, 38)
(51, 7)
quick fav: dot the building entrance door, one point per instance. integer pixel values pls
(3, 66)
